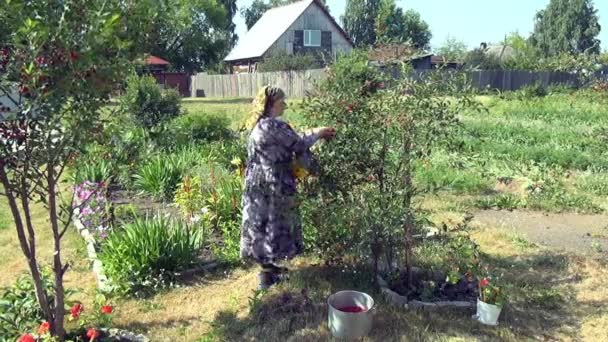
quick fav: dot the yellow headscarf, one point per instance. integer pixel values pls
(265, 98)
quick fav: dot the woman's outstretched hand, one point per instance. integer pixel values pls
(327, 133)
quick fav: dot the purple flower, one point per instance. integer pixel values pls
(86, 211)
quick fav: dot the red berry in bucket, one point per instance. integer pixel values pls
(352, 309)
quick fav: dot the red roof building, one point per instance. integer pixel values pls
(153, 60)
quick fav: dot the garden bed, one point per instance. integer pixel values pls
(430, 290)
(129, 206)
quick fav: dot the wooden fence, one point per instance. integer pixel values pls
(294, 83)
(298, 83)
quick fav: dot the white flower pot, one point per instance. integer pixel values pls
(347, 325)
(487, 313)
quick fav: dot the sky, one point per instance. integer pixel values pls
(471, 21)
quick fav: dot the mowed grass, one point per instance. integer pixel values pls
(553, 147)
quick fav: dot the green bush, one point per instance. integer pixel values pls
(228, 251)
(144, 255)
(19, 309)
(160, 176)
(201, 127)
(94, 171)
(148, 104)
(224, 199)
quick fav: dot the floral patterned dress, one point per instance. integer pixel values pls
(271, 229)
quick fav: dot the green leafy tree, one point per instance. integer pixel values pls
(417, 31)
(359, 21)
(365, 190)
(254, 12)
(59, 63)
(192, 35)
(452, 49)
(567, 26)
(390, 24)
(231, 10)
(526, 56)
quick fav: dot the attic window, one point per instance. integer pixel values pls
(312, 38)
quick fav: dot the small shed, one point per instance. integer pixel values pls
(440, 62)
(157, 67)
(156, 64)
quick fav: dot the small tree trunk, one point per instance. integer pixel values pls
(408, 222)
(408, 226)
(58, 267)
(27, 250)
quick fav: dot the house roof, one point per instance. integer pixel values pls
(153, 60)
(396, 52)
(442, 60)
(271, 27)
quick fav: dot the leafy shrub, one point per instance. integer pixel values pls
(189, 196)
(160, 176)
(225, 152)
(531, 91)
(479, 60)
(225, 199)
(285, 62)
(228, 251)
(94, 171)
(145, 254)
(19, 309)
(201, 127)
(383, 130)
(148, 104)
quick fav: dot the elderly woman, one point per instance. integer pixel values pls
(271, 230)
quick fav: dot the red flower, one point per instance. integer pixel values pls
(73, 55)
(92, 334)
(44, 328)
(484, 282)
(40, 60)
(107, 309)
(24, 90)
(349, 109)
(27, 338)
(76, 310)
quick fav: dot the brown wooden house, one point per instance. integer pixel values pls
(304, 27)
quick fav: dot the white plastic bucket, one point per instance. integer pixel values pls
(487, 313)
(350, 325)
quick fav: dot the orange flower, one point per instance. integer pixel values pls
(107, 309)
(27, 338)
(92, 334)
(44, 328)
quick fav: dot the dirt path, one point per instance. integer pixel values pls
(586, 234)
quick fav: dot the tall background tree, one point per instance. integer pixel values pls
(192, 35)
(452, 49)
(359, 21)
(231, 10)
(369, 22)
(567, 26)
